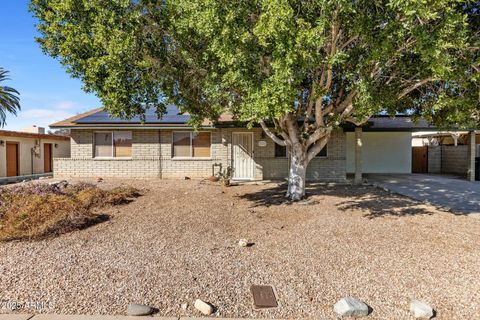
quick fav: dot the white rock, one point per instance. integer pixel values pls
(421, 310)
(184, 306)
(139, 310)
(243, 243)
(203, 307)
(351, 307)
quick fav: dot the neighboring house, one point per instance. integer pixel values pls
(169, 148)
(30, 151)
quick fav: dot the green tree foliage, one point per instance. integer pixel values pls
(9, 100)
(299, 68)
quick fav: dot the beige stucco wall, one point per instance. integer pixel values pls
(25, 157)
(152, 157)
(382, 152)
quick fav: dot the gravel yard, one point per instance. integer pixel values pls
(179, 242)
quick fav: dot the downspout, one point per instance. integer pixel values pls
(160, 175)
(31, 159)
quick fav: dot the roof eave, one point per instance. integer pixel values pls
(127, 127)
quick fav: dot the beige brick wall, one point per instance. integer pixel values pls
(152, 157)
(194, 168)
(331, 168)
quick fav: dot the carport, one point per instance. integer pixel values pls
(380, 147)
(450, 152)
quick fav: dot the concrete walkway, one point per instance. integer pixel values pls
(455, 194)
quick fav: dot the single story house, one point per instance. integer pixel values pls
(168, 148)
(30, 151)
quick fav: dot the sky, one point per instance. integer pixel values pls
(47, 92)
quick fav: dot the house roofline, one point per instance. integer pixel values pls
(20, 134)
(135, 127)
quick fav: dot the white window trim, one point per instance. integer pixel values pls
(112, 144)
(191, 146)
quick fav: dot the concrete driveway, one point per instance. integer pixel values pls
(450, 192)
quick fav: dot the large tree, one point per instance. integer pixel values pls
(9, 100)
(298, 68)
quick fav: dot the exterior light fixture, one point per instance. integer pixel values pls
(2, 143)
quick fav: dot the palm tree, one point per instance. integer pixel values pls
(9, 100)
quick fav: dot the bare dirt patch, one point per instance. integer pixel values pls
(179, 242)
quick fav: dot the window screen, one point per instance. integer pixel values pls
(191, 144)
(113, 144)
(201, 144)
(122, 141)
(103, 144)
(181, 144)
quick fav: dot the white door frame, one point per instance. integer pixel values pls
(251, 156)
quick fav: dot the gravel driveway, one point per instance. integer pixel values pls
(179, 242)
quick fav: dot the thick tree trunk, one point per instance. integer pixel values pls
(296, 176)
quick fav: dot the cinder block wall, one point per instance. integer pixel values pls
(329, 168)
(448, 159)
(152, 157)
(145, 161)
(195, 168)
(434, 159)
(455, 159)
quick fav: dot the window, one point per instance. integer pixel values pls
(281, 151)
(191, 144)
(113, 144)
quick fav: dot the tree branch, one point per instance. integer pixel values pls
(346, 43)
(272, 135)
(413, 87)
(318, 146)
(318, 134)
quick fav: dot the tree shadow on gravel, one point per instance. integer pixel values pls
(372, 201)
(376, 203)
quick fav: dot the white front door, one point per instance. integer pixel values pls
(243, 164)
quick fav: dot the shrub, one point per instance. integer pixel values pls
(121, 195)
(43, 210)
(91, 197)
(37, 216)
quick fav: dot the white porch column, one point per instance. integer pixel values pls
(471, 156)
(358, 156)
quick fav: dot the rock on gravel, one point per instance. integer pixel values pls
(139, 310)
(421, 310)
(243, 243)
(351, 307)
(203, 307)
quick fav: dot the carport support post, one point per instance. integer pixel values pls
(471, 156)
(358, 156)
